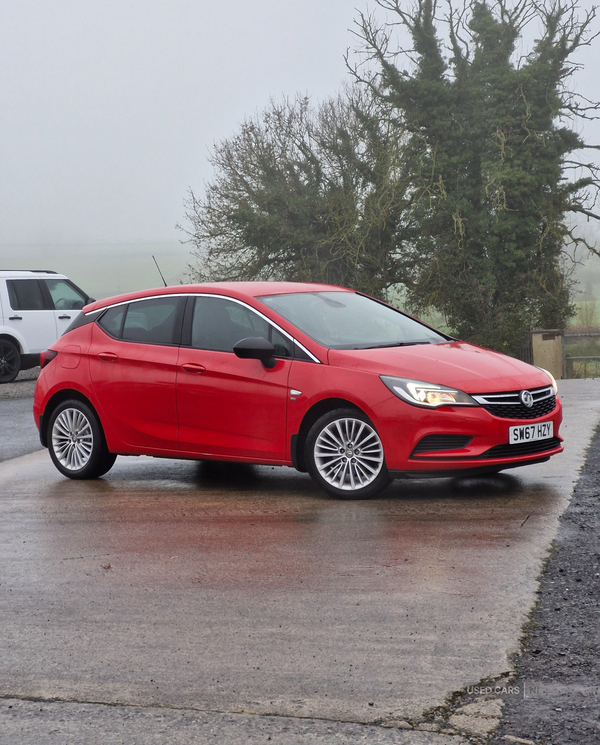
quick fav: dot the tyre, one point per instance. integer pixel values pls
(76, 442)
(344, 455)
(10, 361)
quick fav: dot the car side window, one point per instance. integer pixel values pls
(218, 324)
(112, 320)
(64, 295)
(151, 321)
(25, 294)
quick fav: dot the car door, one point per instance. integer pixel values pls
(67, 301)
(30, 315)
(133, 364)
(230, 407)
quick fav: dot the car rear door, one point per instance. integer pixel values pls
(133, 364)
(230, 407)
(30, 315)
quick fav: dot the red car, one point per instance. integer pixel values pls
(317, 377)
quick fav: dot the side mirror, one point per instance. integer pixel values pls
(256, 348)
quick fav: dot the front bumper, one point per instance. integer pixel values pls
(481, 436)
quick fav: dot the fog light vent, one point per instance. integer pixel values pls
(435, 443)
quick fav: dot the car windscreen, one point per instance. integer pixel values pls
(347, 320)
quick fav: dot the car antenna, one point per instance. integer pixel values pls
(161, 274)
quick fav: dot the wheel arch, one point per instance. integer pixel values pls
(57, 399)
(9, 337)
(13, 349)
(315, 412)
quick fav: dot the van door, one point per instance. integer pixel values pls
(30, 315)
(67, 301)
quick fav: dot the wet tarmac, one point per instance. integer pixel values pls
(18, 434)
(246, 590)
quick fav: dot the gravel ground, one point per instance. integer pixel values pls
(559, 667)
(22, 387)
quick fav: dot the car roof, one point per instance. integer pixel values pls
(237, 290)
(28, 273)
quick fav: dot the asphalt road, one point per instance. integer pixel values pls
(18, 433)
(237, 604)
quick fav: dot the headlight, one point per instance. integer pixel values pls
(427, 394)
(549, 374)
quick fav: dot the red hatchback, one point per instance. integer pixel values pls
(312, 376)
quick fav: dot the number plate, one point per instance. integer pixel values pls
(530, 432)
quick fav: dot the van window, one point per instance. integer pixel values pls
(64, 295)
(25, 294)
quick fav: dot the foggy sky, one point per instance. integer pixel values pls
(109, 108)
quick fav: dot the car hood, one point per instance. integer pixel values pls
(456, 364)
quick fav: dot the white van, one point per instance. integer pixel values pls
(36, 307)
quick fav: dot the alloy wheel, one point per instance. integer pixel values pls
(9, 362)
(348, 454)
(72, 439)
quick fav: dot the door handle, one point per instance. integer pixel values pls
(63, 318)
(108, 356)
(193, 368)
(15, 318)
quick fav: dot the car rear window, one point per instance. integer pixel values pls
(151, 321)
(25, 294)
(112, 320)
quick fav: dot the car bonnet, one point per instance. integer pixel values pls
(464, 366)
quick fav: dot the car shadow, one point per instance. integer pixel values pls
(231, 479)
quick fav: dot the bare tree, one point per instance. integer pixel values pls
(303, 192)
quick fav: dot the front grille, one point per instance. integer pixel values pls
(522, 448)
(509, 406)
(435, 443)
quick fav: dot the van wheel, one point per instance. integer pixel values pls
(344, 455)
(10, 361)
(76, 442)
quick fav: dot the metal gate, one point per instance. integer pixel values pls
(581, 354)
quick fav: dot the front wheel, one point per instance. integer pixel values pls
(344, 455)
(76, 442)
(10, 361)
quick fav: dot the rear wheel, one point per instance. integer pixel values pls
(76, 442)
(344, 455)
(10, 361)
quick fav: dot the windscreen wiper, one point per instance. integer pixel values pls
(398, 344)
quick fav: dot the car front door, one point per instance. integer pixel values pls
(67, 301)
(133, 364)
(230, 407)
